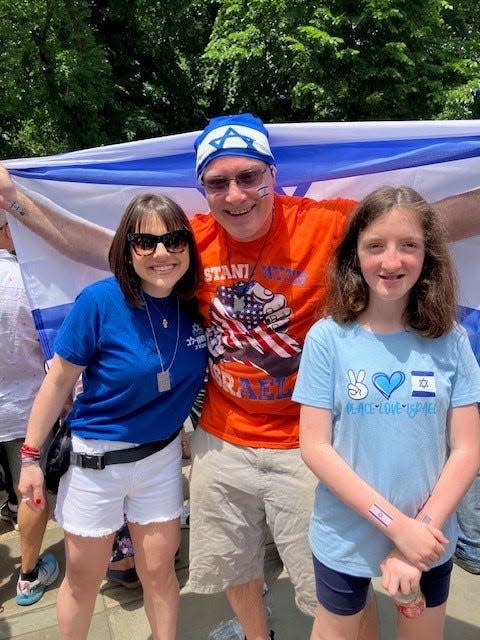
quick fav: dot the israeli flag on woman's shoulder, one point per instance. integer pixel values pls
(320, 160)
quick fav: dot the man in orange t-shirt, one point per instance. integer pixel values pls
(259, 298)
(263, 262)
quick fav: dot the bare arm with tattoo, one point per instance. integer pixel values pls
(66, 232)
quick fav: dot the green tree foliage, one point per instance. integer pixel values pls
(343, 59)
(253, 45)
(154, 50)
(78, 73)
(81, 73)
(55, 77)
(462, 95)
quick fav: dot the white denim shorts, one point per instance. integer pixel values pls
(93, 502)
(236, 495)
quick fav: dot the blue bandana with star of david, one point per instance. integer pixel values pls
(239, 135)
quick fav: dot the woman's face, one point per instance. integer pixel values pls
(160, 270)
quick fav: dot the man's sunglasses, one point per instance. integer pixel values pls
(247, 179)
(144, 244)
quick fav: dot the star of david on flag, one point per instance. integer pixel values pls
(423, 384)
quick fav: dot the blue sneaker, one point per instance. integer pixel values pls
(31, 592)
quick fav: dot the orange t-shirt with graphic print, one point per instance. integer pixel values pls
(258, 300)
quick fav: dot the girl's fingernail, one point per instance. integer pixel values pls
(38, 501)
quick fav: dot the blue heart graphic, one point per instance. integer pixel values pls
(387, 385)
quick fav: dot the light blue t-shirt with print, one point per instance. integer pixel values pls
(389, 396)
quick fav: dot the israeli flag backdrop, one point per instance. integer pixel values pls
(319, 160)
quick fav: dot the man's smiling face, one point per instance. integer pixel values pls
(244, 212)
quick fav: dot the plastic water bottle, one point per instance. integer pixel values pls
(227, 630)
(411, 605)
(232, 629)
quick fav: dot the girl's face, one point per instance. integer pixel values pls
(161, 270)
(391, 251)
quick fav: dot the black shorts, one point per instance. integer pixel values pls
(346, 595)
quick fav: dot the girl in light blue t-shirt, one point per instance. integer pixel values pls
(388, 386)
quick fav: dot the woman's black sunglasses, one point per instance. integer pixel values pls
(144, 244)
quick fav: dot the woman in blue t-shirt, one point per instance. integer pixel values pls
(388, 385)
(137, 343)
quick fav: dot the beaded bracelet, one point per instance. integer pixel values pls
(27, 450)
(29, 455)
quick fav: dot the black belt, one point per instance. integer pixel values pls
(132, 454)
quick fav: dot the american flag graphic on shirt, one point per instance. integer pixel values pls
(244, 325)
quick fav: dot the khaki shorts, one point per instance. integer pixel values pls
(236, 495)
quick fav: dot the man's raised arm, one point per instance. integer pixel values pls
(460, 214)
(76, 238)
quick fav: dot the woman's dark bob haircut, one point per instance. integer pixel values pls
(140, 211)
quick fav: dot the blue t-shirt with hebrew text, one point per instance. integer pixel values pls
(120, 398)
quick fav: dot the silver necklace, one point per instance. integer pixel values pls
(164, 317)
(163, 376)
(239, 302)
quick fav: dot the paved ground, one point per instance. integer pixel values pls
(119, 612)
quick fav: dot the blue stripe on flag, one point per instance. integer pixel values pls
(47, 322)
(169, 171)
(298, 165)
(470, 320)
(326, 162)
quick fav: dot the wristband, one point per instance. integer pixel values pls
(29, 455)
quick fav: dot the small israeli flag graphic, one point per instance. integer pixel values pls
(423, 384)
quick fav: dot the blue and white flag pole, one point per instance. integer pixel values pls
(319, 160)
